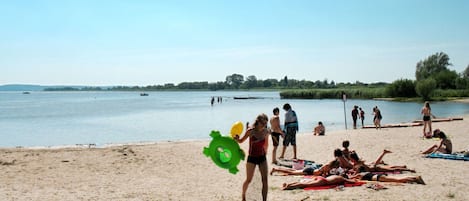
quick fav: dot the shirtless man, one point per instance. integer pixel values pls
(319, 129)
(276, 133)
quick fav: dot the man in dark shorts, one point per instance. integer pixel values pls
(276, 132)
(355, 116)
(291, 127)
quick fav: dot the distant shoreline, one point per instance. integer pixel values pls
(462, 100)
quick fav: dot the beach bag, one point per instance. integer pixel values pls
(428, 135)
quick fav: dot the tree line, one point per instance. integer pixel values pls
(433, 78)
(232, 82)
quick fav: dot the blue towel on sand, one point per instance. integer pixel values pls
(448, 156)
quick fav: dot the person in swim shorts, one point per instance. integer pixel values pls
(386, 178)
(276, 133)
(427, 118)
(291, 127)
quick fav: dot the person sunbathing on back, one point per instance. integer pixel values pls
(363, 175)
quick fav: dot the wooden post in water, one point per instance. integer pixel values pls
(344, 98)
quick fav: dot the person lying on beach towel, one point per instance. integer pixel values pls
(368, 176)
(376, 166)
(445, 146)
(317, 181)
(323, 171)
(296, 163)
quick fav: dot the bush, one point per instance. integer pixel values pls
(424, 88)
(450, 93)
(352, 93)
(401, 88)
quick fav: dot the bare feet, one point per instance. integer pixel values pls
(387, 151)
(285, 186)
(419, 180)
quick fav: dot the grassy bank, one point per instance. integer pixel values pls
(369, 93)
(355, 93)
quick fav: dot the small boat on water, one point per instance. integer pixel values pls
(26, 92)
(143, 94)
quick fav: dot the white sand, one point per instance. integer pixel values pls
(179, 170)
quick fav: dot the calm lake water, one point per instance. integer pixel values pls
(69, 118)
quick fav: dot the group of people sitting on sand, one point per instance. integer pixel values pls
(347, 167)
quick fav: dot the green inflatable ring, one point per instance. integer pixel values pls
(224, 152)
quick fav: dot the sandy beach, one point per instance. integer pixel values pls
(179, 170)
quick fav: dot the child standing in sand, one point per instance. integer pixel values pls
(257, 153)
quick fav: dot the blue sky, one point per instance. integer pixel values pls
(113, 42)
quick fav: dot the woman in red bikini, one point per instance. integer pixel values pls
(258, 139)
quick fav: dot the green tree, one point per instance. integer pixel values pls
(234, 80)
(251, 82)
(425, 88)
(462, 83)
(431, 66)
(270, 83)
(445, 79)
(465, 73)
(285, 82)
